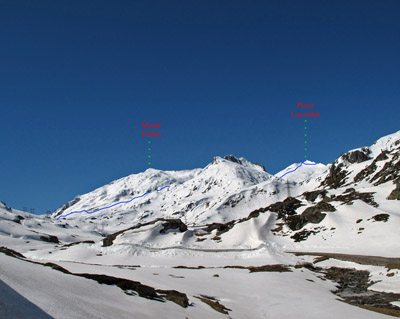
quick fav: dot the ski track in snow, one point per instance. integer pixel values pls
(297, 168)
(97, 210)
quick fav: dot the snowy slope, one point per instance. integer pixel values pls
(302, 172)
(224, 225)
(200, 194)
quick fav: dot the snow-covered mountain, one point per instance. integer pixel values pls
(199, 195)
(195, 235)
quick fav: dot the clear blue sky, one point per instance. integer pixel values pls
(77, 78)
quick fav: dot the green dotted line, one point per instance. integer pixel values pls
(149, 156)
(305, 139)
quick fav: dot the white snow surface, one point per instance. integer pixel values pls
(229, 209)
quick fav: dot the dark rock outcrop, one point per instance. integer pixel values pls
(128, 286)
(395, 194)
(169, 224)
(390, 171)
(312, 196)
(221, 228)
(312, 215)
(381, 217)
(233, 159)
(18, 219)
(336, 177)
(67, 205)
(173, 224)
(356, 156)
(382, 156)
(10, 252)
(286, 208)
(349, 197)
(262, 166)
(214, 303)
(50, 239)
(78, 242)
(179, 298)
(302, 235)
(5, 206)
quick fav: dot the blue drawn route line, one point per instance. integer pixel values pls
(97, 210)
(302, 163)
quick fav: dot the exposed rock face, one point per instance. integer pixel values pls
(129, 287)
(50, 239)
(353, 287)
(302, 235)
(168, 224)
(5, 206)
(173, 224)
(214, 303)
(221, 228)
(179, 298)
(109, 240)
(382, 156)
(363, 174)
(349, 197)
(10, 252)
(312, 196)
(262, 166)
(356, 156)
(381, 217)
(389, 172)
(233, 159)
(67, 205)
(286, 208)
(336, 177)
(395, 194)
(312, 215)
(233, 201)
(18, 219)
